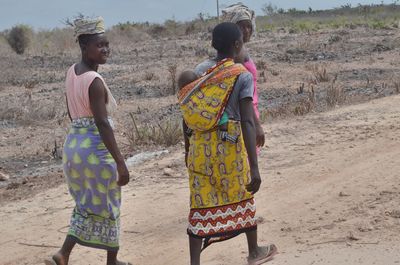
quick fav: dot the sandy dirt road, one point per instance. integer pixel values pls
(331, 195)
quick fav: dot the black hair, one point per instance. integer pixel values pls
(186, 77)
(84, 39)
(224, 36)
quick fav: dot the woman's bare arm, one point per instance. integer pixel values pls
(97, 97)
(249, 137)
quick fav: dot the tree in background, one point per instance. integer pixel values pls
(269, 9)
(19, 38)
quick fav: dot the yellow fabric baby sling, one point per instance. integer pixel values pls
(204, 100)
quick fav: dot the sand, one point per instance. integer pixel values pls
(330, 195)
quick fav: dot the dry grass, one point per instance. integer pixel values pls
(306, 104)
(148, 76)
(262, 68)
(26, 111)
(396, 85)
(303, 107)
(334, 94)
(172, 70)
(147, 70)
(166, 133)
(320, 74)
(372, 16)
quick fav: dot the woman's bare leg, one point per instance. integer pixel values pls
(62, 256)
(112, 258)
(257, 252)
(252, 243)
(195, 250)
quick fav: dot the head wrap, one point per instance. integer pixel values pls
(89, 26)
(239, 12)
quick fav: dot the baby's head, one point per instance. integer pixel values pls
(185, 78)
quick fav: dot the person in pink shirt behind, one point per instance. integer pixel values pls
(245, 19)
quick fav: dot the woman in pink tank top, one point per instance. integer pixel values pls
(93, 165)
(245, 19)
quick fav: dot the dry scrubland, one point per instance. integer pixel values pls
(312, 67)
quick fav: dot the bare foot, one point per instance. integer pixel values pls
(57, 259)
(262, 255)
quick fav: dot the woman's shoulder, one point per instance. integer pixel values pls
(90, 76)
(245, 77)
(80, 71)
(249, 61)
(71, 70)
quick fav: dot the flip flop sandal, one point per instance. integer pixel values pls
(50, 261)
(125, 263)
(271, 250)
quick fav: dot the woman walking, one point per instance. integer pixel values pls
(222, 164)
(245, 18)
(93, 165)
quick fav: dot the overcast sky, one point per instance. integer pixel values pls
(47, 14)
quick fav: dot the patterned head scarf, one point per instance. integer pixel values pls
(239, 12)
(89, 26)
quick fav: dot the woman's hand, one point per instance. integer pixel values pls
(255, 182)
(260, 135)
(249, 136)
(123, 174)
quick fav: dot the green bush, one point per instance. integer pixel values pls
(19, 38)
(378, 24)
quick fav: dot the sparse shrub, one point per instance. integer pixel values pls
(378, 24)
(274, 72)
(320, 74)
(172, 69)
(305, 26)
(261, 65)
(30, 84)
(280, 110)
(269, 9)
(19, 38)
(396, 85)
(306, 104)
(300, 90)
(303, 107)
(263, 76)
(271, 27)
(124, 34)
(334, 94)
(381, 48)
(263, 115)
(26, 110)
(157, 31)
(334, 38)
(148, 76)
(311, 96)
(167, 132)
(160, 51)
(191, 28)
(171, 26)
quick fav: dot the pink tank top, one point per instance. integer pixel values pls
(252, 68)
(77, 90)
